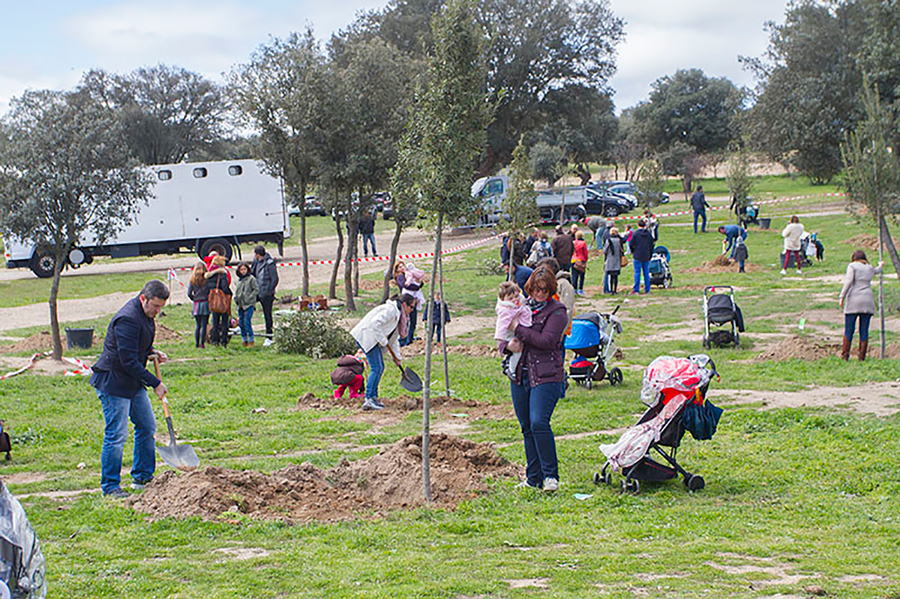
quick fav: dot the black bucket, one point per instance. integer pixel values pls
(764, 223)
(80, 338)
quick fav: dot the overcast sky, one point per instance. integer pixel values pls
(49, 44)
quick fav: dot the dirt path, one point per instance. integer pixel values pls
(290, 278)
(881, 399)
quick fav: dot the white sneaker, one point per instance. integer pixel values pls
(783, 271)
(551, 485)
(370, 404)
(526, 485)
(799, 272)
(269, 342)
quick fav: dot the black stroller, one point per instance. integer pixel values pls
(660, 272)
(675, 389)
(593, 336)
(720, 309)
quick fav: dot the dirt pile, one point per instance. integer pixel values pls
(164, 333)
(868, 241)
(805, 348)
(417, 348)
(388, 481)
(722, 263)
(39, 342)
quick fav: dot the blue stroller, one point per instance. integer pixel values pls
(660, 273)
(593, 337)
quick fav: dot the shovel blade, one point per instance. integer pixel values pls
(411, 381)
(180, 457)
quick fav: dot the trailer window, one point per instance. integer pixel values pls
(164, 175)
(199, 173)
(235, 170)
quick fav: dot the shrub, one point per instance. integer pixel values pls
(314, 334)
(489, 266)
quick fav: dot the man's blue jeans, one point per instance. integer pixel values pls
(116, 413)
(376, 369)
(245, 319)
(700, 214)
(370, 238)
(641, 267)
(534, 407)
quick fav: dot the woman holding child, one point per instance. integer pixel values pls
(535, 385)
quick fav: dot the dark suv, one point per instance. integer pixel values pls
(605, 202)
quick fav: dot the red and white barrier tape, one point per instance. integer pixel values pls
(81, 369)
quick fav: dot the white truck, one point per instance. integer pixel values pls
(195, 207)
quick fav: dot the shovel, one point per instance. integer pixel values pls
(409, 380)
(180, 457)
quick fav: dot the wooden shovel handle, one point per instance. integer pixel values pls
(165, 402)
(393, 355)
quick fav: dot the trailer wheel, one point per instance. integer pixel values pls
(217, 244)
(43, 263)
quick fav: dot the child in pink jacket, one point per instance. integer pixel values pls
(510, 309)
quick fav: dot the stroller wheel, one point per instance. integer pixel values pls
(631, 486)
(667, 282)
(694, 482)
(615, 377)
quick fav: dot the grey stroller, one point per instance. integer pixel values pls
(720, 310)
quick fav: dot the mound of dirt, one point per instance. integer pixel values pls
(722, 263)
(39, 342)
(371, 285)
(164, 333)
(388, 481)
(805, 348)
(868, 241)
(417, 348)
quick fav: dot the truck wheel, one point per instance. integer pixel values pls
(217, 244)
(610, 211)
(43, 262)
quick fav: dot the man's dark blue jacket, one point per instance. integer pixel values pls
(121, 370)
(642, 245)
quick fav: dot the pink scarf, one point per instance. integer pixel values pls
(403, 325)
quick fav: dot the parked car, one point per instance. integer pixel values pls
(607, 203)
(627, 189)
(382, 203)
(314, 207)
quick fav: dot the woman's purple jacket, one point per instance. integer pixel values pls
(543, 346)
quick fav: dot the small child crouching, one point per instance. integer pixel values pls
(349, 374)
(510, 309)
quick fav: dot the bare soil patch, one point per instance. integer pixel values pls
(39, 342)
(868, 241)
(816, 348)
(880, 399)
(722, 263)
(164, 333)
(396, 407)
(388, 481)
(417, 348)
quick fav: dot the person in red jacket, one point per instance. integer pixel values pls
(579, 263)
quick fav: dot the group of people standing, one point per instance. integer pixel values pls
(257, 282)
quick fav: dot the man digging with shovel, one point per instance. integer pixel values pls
(120, 378)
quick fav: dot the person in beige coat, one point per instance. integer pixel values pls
(858, 302)
(792, 234)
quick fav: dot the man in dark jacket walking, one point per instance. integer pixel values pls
(367, 230)
(266, 274)
(120, 378)
(641, 252)
(699, 205)
(563, 245)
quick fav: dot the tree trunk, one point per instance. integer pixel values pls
(356, 267)
(54, 315)
(304, 254)
(443, 303)
(389, 275)
(686, 186)
(882, 226)
(426, 392)
(332, 284)
(889, 245)
(348, 262)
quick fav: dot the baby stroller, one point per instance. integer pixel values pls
(593, 336)
(675, 391)
(660, 273)
(720, 309)
(807, 252)
(749, 215)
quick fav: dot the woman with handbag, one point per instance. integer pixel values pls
(614, 259)
(579, 263)
(219, 301)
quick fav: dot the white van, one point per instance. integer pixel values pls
(195, 207)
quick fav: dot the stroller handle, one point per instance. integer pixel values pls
(714, 287)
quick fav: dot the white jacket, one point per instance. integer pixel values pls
(379, 327)
(792, 234)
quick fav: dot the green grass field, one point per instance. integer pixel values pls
(798, 501)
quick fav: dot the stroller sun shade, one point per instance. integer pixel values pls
(720, 309)
(671, 377)
(584, 334)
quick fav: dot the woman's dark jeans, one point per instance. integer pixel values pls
(578, 279)
(850, 325)
(534, 407)
(200, 330)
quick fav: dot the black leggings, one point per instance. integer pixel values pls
(614, 281)
(267, 312)
(200, 330)
(220, 324)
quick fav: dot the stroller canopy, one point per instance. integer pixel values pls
(672, 376)
(721, 308)
(663, 251)
(585, 334)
